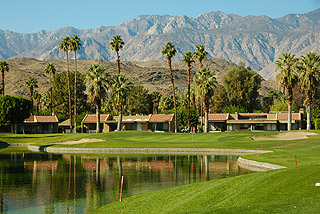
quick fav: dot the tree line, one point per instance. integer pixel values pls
(97, 91)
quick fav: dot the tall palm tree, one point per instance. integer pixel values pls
(75, 46)
(309, 72)
(66, 46)
(37, 97)
(200, 54)
(50, 70)
(121, 87)
(3, 67)
(97, 79)
(117, 45)
(205, 82)
(31, 83)
(169, 50)
(188, 59)
(288, 78)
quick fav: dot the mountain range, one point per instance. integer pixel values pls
(255, 40)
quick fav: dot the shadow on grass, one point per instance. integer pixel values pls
(4, 145)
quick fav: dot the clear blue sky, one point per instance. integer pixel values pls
(27, 16)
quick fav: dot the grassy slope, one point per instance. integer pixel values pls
(290, 190)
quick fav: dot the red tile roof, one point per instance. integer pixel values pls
(253, 114)
(161, 117)
(93, 118)
(42, 119)
(284, 116)
(215, 117)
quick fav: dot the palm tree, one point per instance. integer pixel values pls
(97, 79)
(169, 50)
(200, 54)
(188, 59)
(3, 67)
(117, 45)
(121, 87)
(50, 70)
(31, 83)
(65, 45)
(37, 96)
(205, 82)
(75, 46)
(309, 72)
(155, 96)
(288, 78)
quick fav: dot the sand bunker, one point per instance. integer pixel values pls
(284, 136)
(84, 140)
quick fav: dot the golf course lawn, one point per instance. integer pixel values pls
(290, 190)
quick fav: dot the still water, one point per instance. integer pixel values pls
(54, 183)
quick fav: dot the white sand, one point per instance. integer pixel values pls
(285, 136)
(84, 140)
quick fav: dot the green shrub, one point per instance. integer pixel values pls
(317, 123)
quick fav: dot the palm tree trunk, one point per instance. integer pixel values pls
(206, 119)
(120, 119)
(201, 65)
(308, 110)
(201, 113)
(174, 96)
(98, 119)
(2, 82)
(75, 92)
(289, 108)
(118, 62)
(69, 91)
(189, 68)
(50, 96)
(31, 93)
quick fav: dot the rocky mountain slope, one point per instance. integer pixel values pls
(255, 40)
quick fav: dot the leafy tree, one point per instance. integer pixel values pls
(4, 67)
(97, 79)
(182, 116)
(45, 102)
(31, 83)
(270, 98)
(288, 78)
(75, 46)
(117, 45)
(60, 93)
(121, 87)
(155, 96)
(14, 110)
(309, 72)
(188, 59)
(66, 46)
(169, 50)
(233, 109)
(50, 70)
(206, 82)
(219, 99)
(242, 85)
(282, 105)
(139, 101)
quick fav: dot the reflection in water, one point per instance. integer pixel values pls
(47, 183)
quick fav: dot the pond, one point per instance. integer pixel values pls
(55, 183)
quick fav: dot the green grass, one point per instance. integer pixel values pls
(290, 190)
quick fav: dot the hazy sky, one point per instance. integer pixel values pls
(28, 16)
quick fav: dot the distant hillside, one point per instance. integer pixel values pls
(153, 75)
(255, 40)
